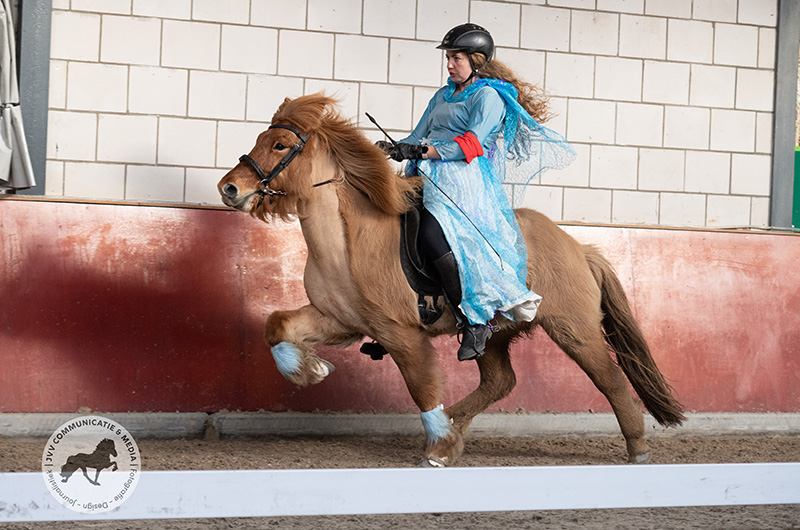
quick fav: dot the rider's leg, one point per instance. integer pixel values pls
(438, 252)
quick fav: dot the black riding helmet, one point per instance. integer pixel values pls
(469, 38)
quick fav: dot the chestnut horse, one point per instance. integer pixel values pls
(348, 197)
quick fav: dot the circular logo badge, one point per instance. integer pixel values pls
(91, 464)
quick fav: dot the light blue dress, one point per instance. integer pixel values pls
(468, 200)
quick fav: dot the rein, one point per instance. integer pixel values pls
(295, 150)
(423, 174)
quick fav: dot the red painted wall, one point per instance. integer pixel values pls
(134, 308)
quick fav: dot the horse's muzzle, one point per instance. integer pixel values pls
(230, 191)
(231, 197)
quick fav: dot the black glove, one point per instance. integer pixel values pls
(408, 152)
(386, 147)
(401, 151)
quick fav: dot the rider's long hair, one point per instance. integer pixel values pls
(531, 97)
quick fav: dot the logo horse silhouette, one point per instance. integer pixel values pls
(100, 459)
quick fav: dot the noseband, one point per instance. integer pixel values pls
(295, 150)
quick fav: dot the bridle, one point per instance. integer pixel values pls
(295, 150)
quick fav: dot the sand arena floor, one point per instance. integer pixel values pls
(17, 455)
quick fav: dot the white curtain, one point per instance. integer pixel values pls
(16, 171)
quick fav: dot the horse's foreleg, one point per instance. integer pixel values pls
(291, 336)
(419, 366)
(497, 382)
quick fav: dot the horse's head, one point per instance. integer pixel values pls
(285, 165)
(106, 446)
(276, 173)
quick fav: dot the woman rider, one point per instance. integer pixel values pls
(479, 131)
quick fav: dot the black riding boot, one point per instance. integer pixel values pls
(473, 336)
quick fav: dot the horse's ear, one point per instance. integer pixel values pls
(286, 101)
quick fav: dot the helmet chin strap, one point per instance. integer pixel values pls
(468, 80)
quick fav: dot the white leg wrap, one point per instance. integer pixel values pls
(436, 423)
(287, 358)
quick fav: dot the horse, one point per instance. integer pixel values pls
(99, 459)
(348, 198)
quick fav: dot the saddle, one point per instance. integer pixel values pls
(419, 274)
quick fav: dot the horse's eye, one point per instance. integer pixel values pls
(279, 147)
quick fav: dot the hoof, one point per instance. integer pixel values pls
(639, 459)
(432, 461)
(323, 368)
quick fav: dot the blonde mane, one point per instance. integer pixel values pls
(364, 166)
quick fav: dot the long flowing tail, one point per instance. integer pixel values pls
(623, 335)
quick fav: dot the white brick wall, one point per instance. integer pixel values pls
(594, 33)
(238, 43)
(217, 95)
(154, 183)
(190, 45)
(661, 169)
(708, 172)
(682, 209)
(132, 40)
(634, 207)
(644, 37)
(85, 96)
(618, 79)
(389, 18)
(613, 167)
(669, 8)
(233, 11)
(353, 51)
(714, 10)
(93, 180)
(187, 142)
(686, 127)
(75, 36)
(712, 86)
(640, 124)
(666, 82)
(127, 138)
(545, 28)
(181, 9)
(305, 54)
(159, 91)
(668, 102)
(71, 135)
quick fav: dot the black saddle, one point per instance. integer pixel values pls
(420, 274)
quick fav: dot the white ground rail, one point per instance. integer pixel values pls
(259, 493)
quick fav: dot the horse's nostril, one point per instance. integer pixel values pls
(230, 190)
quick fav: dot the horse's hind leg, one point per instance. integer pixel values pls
(497, 382)
(583, 342)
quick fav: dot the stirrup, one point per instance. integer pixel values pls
(429, 310)
(473, 343)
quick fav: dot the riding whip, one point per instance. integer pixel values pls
(422, 173)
